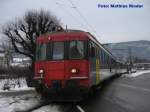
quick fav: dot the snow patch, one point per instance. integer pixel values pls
(48, 108)
(19, 103)
(138, 73)
(24, 105)
(11, 85)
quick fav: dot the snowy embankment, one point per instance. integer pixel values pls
(12, 85)
(49, 108)
(16, 96)
(138, 73)
(26, 103)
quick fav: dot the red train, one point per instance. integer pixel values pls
(72, 60)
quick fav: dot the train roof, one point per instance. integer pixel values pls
(64, 32)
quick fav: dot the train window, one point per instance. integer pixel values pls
(109, 62)
(97, 52)
(107, 59)
(92, 50)
(58, 50)
(41, 52)
(49, 51)
(76, 49)
(102, 56)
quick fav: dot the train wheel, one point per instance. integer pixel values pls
(88, 94)
(39, 88)
(96, 88)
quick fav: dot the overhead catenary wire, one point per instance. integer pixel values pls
(68, 12)
(82, 16)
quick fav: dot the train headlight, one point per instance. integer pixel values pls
(41, 71)
(74, 71)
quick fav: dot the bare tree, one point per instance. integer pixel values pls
(8, 49)
(23, 32)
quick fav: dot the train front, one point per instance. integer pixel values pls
(62, 64)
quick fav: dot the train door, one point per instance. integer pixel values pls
(55, 66)
(94, 64)
(92, 59)
(97, 65)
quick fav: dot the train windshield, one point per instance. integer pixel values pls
(58, 51)
(76, 49)
(41, 52)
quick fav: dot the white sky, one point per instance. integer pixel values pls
(111, 25)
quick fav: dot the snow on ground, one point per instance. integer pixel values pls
(138, 73)
(5, 105)
(19, 103)
(49, 108)
(25, 103)
(19, 97)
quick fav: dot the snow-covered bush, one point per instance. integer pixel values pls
(13, 83)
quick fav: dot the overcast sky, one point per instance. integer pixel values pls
(107, 24)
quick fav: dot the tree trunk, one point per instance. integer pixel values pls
(30, 80)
